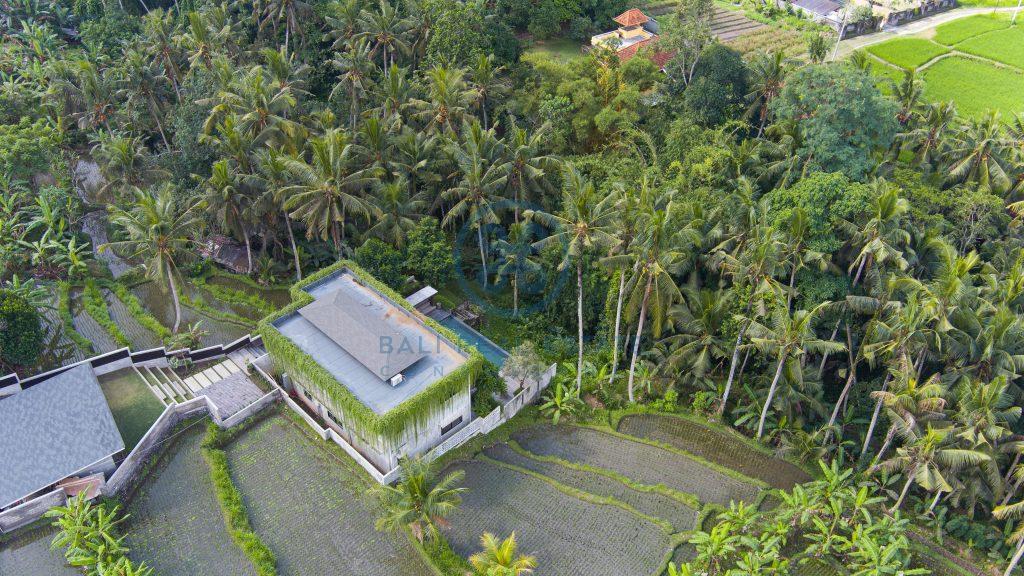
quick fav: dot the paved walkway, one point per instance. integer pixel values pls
(916, 27)
(232, 393)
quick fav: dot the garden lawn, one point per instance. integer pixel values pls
(175, 523)
(975, 86)
(637, 460)
(719, 447)
(311, 508)
(561, 49)
(959, 30)
(908, 53)
(28, 553)
(567, 535)
(133, 405)
(1006, 46)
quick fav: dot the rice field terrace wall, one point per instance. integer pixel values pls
(640, 461)
(175, 523)
(310, 507)
(718, 446)
(567, 534)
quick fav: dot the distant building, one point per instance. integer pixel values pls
(226, 252)
(381, 375)
(57, 432)
(825, 11)
(636, 32)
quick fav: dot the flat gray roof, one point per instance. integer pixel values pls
(53, 430)
(349, 345)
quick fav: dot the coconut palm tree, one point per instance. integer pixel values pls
(355, 68)
(447, 95)
(528, 167)
(698, 348)
(144, 81)
(288, 11)
(930, 135)
(395, 212)
(909, 401)
(160, 231)
(1013, 511)
(585, 224)
(787, 336)
(482, 177)
(419, 500)
(924, 458)
(272, 178)
(158, 29)
(229, 201)
(980, 153)
(501, 557)
(327, 188)
(517, 259)
(387, 30)
(767, 74)
(487, 82)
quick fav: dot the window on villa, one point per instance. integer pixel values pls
(450, 426)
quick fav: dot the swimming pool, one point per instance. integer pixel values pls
(489, 349)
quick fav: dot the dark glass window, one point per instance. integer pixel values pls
(450, 426)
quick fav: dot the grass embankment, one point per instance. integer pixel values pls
(235, 515)
(908, 53)
(96, 306)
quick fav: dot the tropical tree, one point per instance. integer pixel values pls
(584, 225)
(979, 153)
(787, 336)
(517, 259)
(419, 501)
(160, 231)
(501, 557)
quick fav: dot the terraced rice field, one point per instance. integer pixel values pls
(141, 338)
(681, 516)
(132, 404)
(88, 327)
(567, 535)
(28, 554)
(161, 307)
(769, 39)
(176, 525)
(719, 447)
(58, 348)
(310, 506)
(634, 459)
(977, 62)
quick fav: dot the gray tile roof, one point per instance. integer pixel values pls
(368, 328)
(53, 430)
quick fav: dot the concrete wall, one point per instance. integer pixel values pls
(28, 512)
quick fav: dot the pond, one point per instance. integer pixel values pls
(489, 349)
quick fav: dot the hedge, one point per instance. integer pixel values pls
(390, 425)
(235, 515)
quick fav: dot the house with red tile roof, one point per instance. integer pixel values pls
(636, 34)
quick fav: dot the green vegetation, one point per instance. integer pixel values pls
(231, 504)
(961, 29)
(96, 306)
(21, 334)
(64, 308)
(976, 87)
(89, 535)
(1006, 46)
(138, 311)
(908, 53)
(563, 50)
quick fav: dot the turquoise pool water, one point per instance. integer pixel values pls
(489, 349)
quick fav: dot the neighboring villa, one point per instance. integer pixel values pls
(384, 378)
(636, 31)
(58, 433)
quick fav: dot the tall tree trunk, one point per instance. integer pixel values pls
(771, 391)
(824, 357)
(1013, 490)
(792, 282)
(248, 250)
(483, 254)
(736, 356)
(906, 489)
(885, 445)
(579, 319)
(295, 249)
(1016, 558)
(874, 418)
(851, 378)
(515, 294)
(153, 109)
(174, 298)
(639, 333)
(353, 108)
(1009, 469)
(618, 322)
(935, 501)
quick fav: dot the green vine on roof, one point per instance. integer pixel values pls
(416, 411)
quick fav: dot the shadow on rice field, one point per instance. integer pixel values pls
(28, 553)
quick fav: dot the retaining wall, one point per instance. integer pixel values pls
(28, 512)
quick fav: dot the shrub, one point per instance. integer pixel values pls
(429, 256)
(21, 332)
(381, 260)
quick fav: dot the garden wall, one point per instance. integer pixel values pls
(28, 512)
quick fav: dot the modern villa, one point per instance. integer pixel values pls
(57, 433)
(386, 379)
(636, 32)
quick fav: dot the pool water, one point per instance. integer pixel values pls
(489, 349)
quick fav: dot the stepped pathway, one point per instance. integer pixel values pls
(226, 380)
